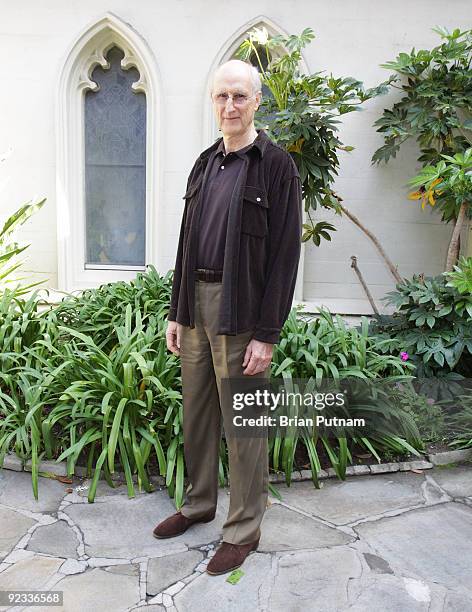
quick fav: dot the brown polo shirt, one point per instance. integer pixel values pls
(215, 206)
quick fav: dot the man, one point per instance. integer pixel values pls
(233, 285)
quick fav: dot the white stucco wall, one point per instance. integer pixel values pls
(352, 38)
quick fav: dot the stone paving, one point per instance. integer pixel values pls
(393, 542)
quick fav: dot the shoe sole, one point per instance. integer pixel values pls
(225, 571)
(176, 535)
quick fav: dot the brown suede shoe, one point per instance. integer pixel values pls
(229, 556)
(177, 524)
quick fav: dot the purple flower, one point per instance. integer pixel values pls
(404, 355)
(430, 401)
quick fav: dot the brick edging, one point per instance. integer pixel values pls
(12, 462)
(355, 470)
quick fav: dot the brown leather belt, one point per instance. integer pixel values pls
(209, 276)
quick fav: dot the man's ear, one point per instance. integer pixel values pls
(258, 99)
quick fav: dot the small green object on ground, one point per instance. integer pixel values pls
(235, 576)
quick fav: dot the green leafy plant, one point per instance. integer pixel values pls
(97, 375)
(461, 277)
(436, 107)
(448, 184)
(90, 381)
(99, 311)
(460, 421)
(301, 114)
(21, 325)
(119, 403)
(326, 348)
(433, 323)
(25, 381)
(10, 249)
(428, 414)
(436, 111)
(24, 394)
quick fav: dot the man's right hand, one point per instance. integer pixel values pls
(173, 337)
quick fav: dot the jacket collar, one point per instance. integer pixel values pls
(260, 144)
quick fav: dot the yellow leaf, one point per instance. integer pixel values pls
(296, 147)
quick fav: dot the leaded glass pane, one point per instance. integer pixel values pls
(115, 167)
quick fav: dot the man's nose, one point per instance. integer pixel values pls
(229, 103)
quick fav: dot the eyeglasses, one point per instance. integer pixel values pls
(238, 99)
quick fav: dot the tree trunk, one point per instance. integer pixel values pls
(376, 242)
(457, 250)
(454, 245)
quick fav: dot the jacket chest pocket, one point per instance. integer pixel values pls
(254, 213)
(191, 198)
(191, 193)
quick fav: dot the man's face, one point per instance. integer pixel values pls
(236, 114)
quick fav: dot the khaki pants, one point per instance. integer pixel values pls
(206, 358)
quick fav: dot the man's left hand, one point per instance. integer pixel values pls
(257, 357)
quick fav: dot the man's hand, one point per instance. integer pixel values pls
(173, 337)
(257, 357)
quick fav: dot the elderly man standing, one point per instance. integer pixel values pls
(233, 286)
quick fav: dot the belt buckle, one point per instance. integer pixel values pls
(204, 275)
(207, 276)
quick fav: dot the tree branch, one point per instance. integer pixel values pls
(376, 242)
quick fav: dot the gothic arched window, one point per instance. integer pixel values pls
(108, 122)
(115, 167)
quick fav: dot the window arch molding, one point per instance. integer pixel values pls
(88, 52)
(210, 131)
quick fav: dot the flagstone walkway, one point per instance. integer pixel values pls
(392, 542)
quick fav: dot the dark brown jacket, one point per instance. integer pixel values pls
(262, 243)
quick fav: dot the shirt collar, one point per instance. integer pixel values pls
(260, 143)
(240, 152)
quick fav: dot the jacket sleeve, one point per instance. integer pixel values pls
(285, 227)
(177, 279)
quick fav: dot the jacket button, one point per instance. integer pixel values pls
(222, 167)
(258, 199)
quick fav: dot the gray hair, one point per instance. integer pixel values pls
(253, 71)
(256, 78)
